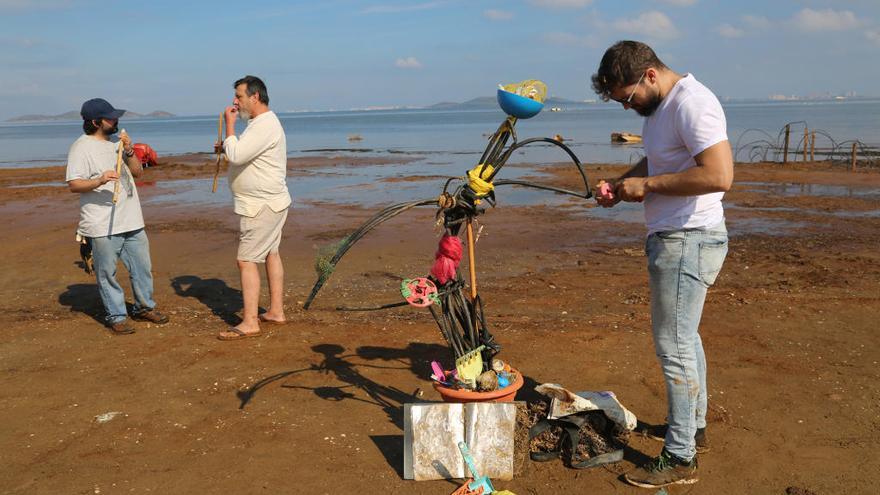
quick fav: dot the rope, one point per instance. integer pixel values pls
(477, 179)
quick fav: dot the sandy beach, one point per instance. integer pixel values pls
(315, 406)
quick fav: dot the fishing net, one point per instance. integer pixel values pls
(323, 260)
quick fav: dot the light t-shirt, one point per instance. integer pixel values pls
(689, 120)
(88, 158)
(258, 166)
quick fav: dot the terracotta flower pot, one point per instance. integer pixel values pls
(506, 394)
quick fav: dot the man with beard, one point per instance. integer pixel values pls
(257, 178)
(687, 168)
(115, 229)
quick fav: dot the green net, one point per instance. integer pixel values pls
(323, 265)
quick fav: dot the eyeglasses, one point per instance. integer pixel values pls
(628, 100)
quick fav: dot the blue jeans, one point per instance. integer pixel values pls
(133, 248)
(682, 265)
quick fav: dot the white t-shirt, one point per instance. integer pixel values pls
(689, 120)
(258, 166)
(88, 158)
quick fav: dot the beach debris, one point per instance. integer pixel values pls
(479, 482)
(565, 403)
(355, 137)
(625, 138)
(106, 417)
(583, 440)
(487, 381)
(432, 432)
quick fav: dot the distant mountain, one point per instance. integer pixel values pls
(489, 102)
(74, 115)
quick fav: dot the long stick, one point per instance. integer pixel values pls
(118, 171)
(219, 151)
(785, 148)
(472, 270)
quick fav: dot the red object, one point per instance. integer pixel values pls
(506, 394)
(446, 259)
(146, 154)
(420, 291)
(605, 191)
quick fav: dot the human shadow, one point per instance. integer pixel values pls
(223, 301)
(83, 298)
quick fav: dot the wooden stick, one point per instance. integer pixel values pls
(813, 147)
(219, 152)
(118, 169)
(806, 139)
(785, 149)
(472, 270)
(854, 157)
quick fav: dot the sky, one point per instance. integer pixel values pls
(183, 56)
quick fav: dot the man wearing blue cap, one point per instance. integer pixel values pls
(115, 228)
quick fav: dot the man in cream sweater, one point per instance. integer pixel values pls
(257, 178)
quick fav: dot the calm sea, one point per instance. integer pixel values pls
(457, 133)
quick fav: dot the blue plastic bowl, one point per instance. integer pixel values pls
(518, 106)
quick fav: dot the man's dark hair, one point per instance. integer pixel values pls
(623, 64)
(254, 84)
(89, 126)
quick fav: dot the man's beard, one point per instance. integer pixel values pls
(244, 114)
(648, 109)
(111, 131)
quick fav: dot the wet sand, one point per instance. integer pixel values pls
(315, 406)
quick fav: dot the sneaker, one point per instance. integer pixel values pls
(121, 328)
(151, 315)
(658, 432)
(666, 469)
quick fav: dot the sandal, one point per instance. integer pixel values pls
(237, 334)
(270, 322)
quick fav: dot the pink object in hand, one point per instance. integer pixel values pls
(605, 191)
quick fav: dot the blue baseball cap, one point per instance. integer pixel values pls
(99, 108)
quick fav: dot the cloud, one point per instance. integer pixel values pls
(825, 20)
(394, 9)
(728, 31)
(408, 63)
(652, 24)
(561, 4)
(679, 3)
(873, 35)
(756, 21)
(497, 15)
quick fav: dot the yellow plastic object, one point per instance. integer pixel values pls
(503, 492)
(530, 88)
(477, 182)
(470, 365)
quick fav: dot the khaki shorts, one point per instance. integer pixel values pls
(260, 236)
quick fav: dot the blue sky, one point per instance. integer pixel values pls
(182, 56)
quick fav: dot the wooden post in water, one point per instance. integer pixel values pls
(813, 146)
(785, 145)
(854, 156)
(806, 140)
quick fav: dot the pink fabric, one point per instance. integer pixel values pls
(446, 259)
